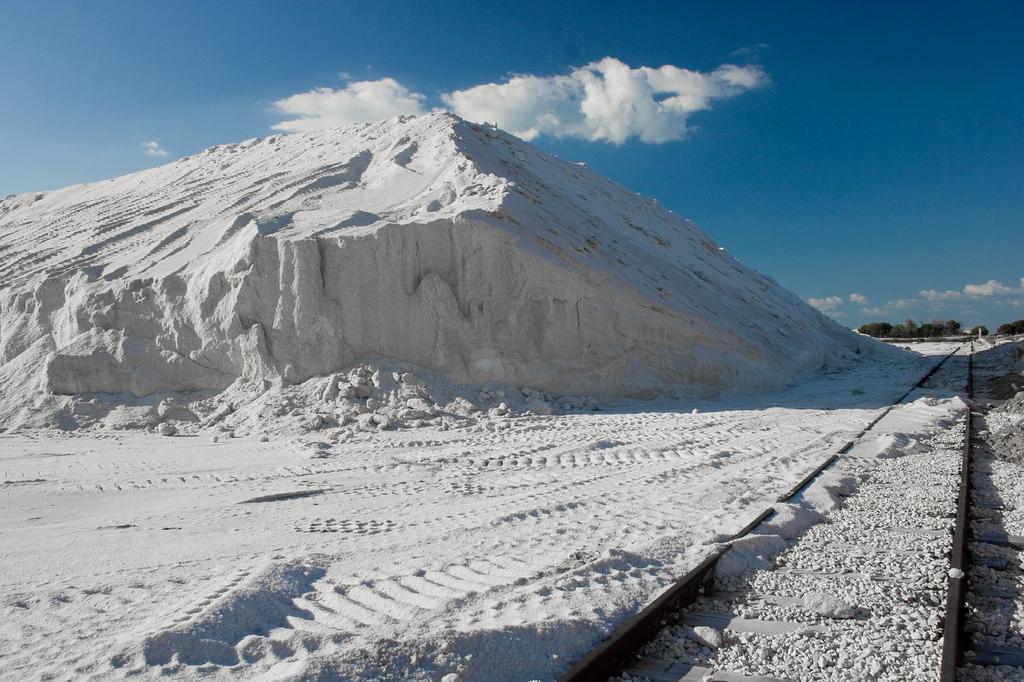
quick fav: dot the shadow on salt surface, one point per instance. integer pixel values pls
(508, 651)
(995, 586)
(220, 633)
(249, 626)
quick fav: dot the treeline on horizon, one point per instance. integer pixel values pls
(909, 329)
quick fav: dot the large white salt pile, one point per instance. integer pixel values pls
(428, 240)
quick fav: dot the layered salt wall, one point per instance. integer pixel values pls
(487, 272)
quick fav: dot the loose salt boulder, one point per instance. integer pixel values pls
(168, 429)
(409, 379)
(539, 406)
(789, 521)
(828, 491)
(707, 636)
(828, 605)
(423, 407)
(366, 421)
(750, 553)
(463, 407)
(330, 391)
(164, 408)
(408, 414)
(169, 410)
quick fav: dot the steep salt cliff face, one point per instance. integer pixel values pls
(430, 240)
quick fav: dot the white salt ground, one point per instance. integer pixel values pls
(483, 552)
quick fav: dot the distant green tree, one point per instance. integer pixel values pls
(909, 329)
(906, 330)
(1016, 327)
(982, 329)
(876, 329)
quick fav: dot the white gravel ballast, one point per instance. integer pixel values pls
(860, 595)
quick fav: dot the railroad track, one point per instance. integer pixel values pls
(953, 640)
(982, 563)
(618, 655)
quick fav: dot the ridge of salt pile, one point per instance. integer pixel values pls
(427, 240)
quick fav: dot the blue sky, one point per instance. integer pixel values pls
(881, 153)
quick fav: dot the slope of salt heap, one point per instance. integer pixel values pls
(429, 240)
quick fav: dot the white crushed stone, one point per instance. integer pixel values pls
(881, 599)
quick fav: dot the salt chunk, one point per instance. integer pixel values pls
(828, 605)
(538, 406)
(707, 636)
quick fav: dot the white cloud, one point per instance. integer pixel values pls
(986, 289)
(935, 296)
(937, 299)
(153, 148)
(750, 50)
(606, 100)
(826, 304)
(989, 288)
(358, 101)
(858, 299)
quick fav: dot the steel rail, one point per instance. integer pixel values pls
(953, 638)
